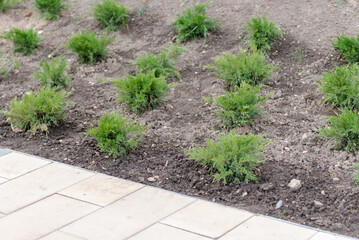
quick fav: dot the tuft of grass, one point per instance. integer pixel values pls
(193, 23)
(341, 87)
(232, 158)
(7, 4)
(116, 135)
(261, 33)
(344, 129)
(88, 47)
(141, 92)
(248, 67)
(53, 74)
(7, 64)
(240, 107)
(356, 174)
(162, 64)
(24, 40)
(37, 112)
(348, 47)
(51, 9)
(110, 14)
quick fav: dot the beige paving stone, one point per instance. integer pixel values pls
(101, 189)
(15, 164)
(43, 217)
(2, 180)
(264, 228)
(128, 215)
(327, 236)
(163, 232)
(206, 218)
(38, 184)
(58, 235)
(1, 215)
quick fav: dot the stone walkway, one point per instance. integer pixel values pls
(42, 199)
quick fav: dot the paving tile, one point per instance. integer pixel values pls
(2, 180)
(163, 232)
(206, 218)
(38, 184)
(1, 215)
(4, 151)
(101, 189)
(15, 164)
(58, 235)
(43, 217)
(128, 215)
(265, 228)
(327, 236)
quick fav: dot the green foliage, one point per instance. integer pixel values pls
(7, 64)
(24, 40)
(261, 33)
(232, 158)
(50, 9)
(110, 14)
(162, 64)
(249, 67)
(193, 23)
(341, 87)
(356, 175)
(141, 92)
(240, 107)
(53, 74)
(88, 48)
(344, 129)
(116, 135)
(7, 4)
(348, 47)
(38, 111)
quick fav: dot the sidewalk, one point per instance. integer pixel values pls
(42, 199)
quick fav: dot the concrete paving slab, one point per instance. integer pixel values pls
(208, 219)
(128, 215)
(43, 217)
(38, 184)
(58, 235)
(101, 189)
(4, 151)
(329, 236)
(3, 180)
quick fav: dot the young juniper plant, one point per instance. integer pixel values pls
(261, 34)
(193, 23)
(232, 158)
(50, 9)
(162, 64)
(348, 47)
(141, 92)
(24, 40)
(341, 87)
(37, 112)
(248, 67)
(88, 47)
(53, 74)
(240, 107)
(110, 14)
(116, 135)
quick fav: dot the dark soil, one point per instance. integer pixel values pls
(291, 120)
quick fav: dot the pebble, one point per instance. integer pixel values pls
(295, 184)
(151, 179)
(304, 136)
(279, 204)
(322, 192)
(244, 194)
(336, 179)
(318, 204)
(266, 186)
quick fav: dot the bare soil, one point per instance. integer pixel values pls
(291, 120)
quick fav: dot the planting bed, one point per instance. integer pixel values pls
(291, 119)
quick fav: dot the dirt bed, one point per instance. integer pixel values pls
(291, 119)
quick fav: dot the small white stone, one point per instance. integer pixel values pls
(322, 192)
(318, 204)
(336, 179)
(295, 184)
(151, 179)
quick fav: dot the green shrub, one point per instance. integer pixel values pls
(38, 111)
(261, 34)
(232, 158)
(348, 47)
(24, 40)
(7, 4)
(53, 74)
(193, 23)
(240, 107)
(341, 87)
(110, 14)
(249, 67)
(50, 9)
(88, 48)
(7, 64)
(116, 135)
(162, 63)
(141, 92)
(344, 129)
